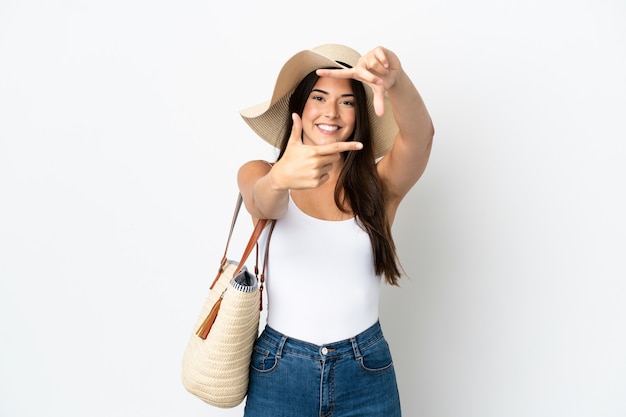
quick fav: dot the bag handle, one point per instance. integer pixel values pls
(266, 255)
(256, 233)
(254, 237)
(206, 325)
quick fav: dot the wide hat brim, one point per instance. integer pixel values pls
(269, 119)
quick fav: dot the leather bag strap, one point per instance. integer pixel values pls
(207, 323)
(254, 237)
(263, 271)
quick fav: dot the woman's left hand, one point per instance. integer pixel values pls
(379, 68)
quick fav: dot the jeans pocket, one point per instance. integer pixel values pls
(263, 360)
(376, 358)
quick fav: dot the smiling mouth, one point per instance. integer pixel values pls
(328, 128)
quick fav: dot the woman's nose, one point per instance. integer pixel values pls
(331, 110)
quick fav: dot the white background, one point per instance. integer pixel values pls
(120, 139)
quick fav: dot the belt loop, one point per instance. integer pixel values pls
(355, 348)
(281, 345)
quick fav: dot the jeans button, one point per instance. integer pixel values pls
(324, 350)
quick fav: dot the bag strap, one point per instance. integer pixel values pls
(263, 271)
(207, 324)
(232, 224)
(254, 237)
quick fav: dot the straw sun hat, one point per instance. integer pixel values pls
(269, 119)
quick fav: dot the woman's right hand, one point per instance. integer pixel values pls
(306, 166)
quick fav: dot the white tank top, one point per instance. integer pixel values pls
(321, 283)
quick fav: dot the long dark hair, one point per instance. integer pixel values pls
(358, 186)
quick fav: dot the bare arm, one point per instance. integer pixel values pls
(403, 165)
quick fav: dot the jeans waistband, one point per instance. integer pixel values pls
(352, 346)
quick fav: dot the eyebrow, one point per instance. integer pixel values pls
(326, 92)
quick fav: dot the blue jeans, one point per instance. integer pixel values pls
(353, 377)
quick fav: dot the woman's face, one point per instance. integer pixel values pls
(329, 114)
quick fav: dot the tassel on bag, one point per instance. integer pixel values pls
(205, 327)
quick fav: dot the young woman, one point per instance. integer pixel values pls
(354, 137)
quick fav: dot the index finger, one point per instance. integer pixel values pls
(335, 73)
(338, 147)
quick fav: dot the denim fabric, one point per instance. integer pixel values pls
(291, 378)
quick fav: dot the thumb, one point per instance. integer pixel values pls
(296, 130)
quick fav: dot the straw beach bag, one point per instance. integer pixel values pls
(217, 357)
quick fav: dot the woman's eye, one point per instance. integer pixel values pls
(347, 103)
(317, 98)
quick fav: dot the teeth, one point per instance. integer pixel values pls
(328, 127)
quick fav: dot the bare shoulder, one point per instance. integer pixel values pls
(255, 167)
(260, 201)
(251, 171)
